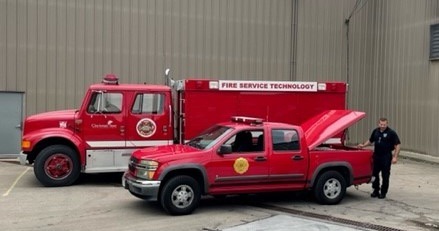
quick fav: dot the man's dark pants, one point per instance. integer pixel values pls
(381, 164)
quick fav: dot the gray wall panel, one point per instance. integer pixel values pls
(3, 44)
(53, 49)
(389, 71)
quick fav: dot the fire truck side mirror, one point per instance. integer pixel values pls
(225, 149)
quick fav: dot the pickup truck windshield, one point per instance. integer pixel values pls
(209, 137)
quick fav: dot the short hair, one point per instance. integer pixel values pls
(383, 119)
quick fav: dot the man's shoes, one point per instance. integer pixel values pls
(382, 196)
(375, 194)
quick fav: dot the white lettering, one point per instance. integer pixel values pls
(231, 85)
(103, 126)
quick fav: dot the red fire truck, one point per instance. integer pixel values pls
(115, 119)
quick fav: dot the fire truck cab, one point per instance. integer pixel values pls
(115, 119)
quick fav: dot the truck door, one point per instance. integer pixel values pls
(288, 164)
(103, 121)
(149, 120)
(246, 168)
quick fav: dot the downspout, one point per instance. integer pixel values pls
(293, 39)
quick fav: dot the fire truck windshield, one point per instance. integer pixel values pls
(209, 137)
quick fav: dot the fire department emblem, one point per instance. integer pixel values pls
(146, 127)
(241, 165)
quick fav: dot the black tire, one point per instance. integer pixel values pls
(330, 188)
(57, 165)
(180, 195)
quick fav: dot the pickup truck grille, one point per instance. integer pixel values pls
(133, 164)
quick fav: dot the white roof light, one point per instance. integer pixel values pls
(321, 86)
(213, 85)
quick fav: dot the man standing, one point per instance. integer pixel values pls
(385, 141)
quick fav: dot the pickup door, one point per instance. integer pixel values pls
(288, 162)
(267, 160)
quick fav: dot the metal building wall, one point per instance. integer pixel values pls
(402, 86)
(389, 69)
(322, 46)
(53, 49)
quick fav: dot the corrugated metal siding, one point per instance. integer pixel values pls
(399, 86)
(53, 49)
(431, 124)
(320, 41)
(322, 50)
(389, 71)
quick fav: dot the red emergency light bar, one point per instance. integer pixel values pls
(247, 120)
(110, 79)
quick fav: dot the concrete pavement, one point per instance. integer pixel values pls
(411, 204)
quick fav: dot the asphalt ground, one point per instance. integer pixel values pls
(98, 202)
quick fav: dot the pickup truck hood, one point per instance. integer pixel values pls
(326, 125)
(164, 151)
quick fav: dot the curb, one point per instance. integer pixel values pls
(419, 157)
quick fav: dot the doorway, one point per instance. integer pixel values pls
(11, 120)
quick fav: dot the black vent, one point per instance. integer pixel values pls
(434, 42)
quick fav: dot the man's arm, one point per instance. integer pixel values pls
(365, 144)
(396, 153)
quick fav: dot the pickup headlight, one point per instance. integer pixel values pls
(146, 169)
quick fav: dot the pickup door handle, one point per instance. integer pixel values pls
(260, 158)
(297, 157)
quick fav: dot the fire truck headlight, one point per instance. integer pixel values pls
(146, 169)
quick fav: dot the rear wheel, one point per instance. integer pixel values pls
(57, 165)
(330, 188)
(180, 195)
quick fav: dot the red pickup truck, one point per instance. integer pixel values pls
(247, 155)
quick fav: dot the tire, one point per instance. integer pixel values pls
(180, 195)
(57, 165)
(330, 188)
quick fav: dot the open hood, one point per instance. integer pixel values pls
(328, 124)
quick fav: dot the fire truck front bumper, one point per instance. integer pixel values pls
(144, 189)
(23, 158)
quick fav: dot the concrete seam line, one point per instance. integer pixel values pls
(15, 182)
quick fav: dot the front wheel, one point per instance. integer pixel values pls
(57, 165)
(330, 188)
(180, 195)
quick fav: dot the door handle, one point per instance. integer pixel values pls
(297, 158)
(260, 158)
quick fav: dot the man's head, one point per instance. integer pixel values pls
(382, 123)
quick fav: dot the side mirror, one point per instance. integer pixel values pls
(225, 149)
